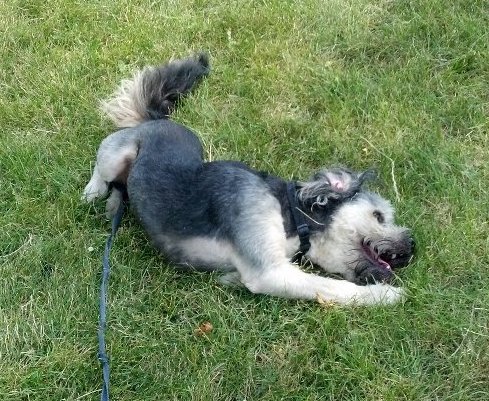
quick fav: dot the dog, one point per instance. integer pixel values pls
(250, 225)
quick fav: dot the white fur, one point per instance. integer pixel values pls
(96, 188)
(203, 251)
(126, 108)
(288, 281)
(114, 157)
(336, 249)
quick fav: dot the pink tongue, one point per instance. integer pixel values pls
(384, 264)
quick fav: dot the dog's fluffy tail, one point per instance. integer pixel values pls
(154, 92)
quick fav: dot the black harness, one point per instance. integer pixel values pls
(299, 221)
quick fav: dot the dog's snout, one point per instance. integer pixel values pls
(409, 243)
(412, 243)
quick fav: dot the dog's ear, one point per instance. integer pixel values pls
(345, 180)
(332, 184)
(339, 179)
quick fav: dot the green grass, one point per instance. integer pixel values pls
(295, 86)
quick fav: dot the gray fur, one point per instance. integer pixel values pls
(154, 92)
(225, 216)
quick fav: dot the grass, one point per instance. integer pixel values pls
(398, 85)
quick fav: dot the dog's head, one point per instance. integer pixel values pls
(354, 230)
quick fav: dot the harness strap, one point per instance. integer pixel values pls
(299, 220)
(102, 354)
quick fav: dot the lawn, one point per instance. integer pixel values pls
(402, 86)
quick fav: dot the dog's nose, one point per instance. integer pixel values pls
(412, 242)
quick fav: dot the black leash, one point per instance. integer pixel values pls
(102, 354)
(300, 222)
(302, 230)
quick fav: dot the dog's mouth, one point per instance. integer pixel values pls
(380, 258)
(384, 260)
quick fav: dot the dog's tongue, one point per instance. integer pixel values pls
(374, 255)
(384, 264)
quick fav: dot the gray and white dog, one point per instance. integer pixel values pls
(225, 216)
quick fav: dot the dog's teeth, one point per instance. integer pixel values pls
(394, 255)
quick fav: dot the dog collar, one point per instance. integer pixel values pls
(299, 222)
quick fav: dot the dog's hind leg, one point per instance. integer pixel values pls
(97, 187)
(114, 158)
(113, 202)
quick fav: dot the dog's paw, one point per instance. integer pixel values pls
(231, 279)
(112, 204)
(382, 294)
(95, 189)
(372, 274)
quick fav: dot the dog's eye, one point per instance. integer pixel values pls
(379, 216)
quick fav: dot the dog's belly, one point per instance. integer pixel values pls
(201, 253)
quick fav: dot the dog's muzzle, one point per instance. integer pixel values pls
(382, 257)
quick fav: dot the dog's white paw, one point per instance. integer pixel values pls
(96, 188)
(382, 294)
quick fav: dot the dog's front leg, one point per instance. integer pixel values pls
(288, 281)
